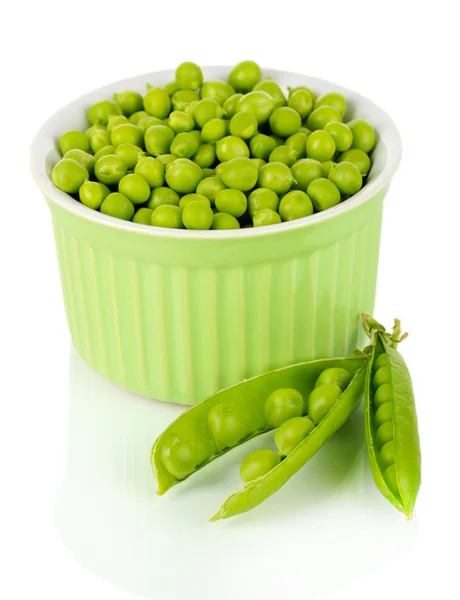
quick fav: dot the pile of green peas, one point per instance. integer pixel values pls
(203, 155)
(284, 410)
(294, 421)
(383, 421)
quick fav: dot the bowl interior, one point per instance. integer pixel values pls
(44, 152)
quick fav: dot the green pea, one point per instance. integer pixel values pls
(363, 135)
(337, 375)
(157, 103)
(182, 99)
(158, 139)
(358, 158)
(271, 88)
(208, 172)
(321, 401)
(391, 479)
(193, 198)
(283, 154)
(118, 205)
(262, 146)
(110, 169)
(230, 147)
(216, 90)
(209, 187)
(281, 405)
(257, 464)
(129, 102)
(166, 159)
(244, 76)
(115, 120)
(74, 139)
(143, 216)
(320, 117)
(226, 425)
(205, 110)
(224, 221)
(298, 143)
(305, 171)
(264, 217)
(167, 215)
(197, 215)
(171, 88)
(292, 90)
(231, 201)
(130, 154)
(214, 130)
(381, 377)
(258, 103)
(383, 394)
(384, 413)
(178, 457)
(387, 454)
(151, 170)
(189, 76)
(136, 117)
(135, 188)
(99, 139)
(84, 158)
(243, 125)
(205, 156)
(68, 175)
(384, 434)
(323, 194)
(291, 433)
(183, 175)
(261, 198)
(103, 152)
(327, 166)
(230, 105)
(302, 102)
(320, 146)
(162, 195)
(219, 168)
(279, 141)
(341, 133)
(381, 361)
(127, 133)
(334, 99)
(92, 194)
(346, 177)
(180, 121)
(184, 145)
(240, 173)
(275, 176)
(295, 205)
(99, 113)
(259, 162)
(285, 121)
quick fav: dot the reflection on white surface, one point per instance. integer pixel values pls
(324, 528)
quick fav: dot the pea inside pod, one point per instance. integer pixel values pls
(255, 406)
(391, 420)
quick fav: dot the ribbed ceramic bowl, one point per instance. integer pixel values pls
(177, 315)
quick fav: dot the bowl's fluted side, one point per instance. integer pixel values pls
(179, 330)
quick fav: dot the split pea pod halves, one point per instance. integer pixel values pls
(306, 403)
(390, 419)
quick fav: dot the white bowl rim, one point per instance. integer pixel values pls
(44, 141)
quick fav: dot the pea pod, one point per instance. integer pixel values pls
(233, 416)
(391, 420)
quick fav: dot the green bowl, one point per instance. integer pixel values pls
(177, 315)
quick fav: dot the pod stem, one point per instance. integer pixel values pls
(373, 327)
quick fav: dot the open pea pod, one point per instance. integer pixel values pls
(258, 490)
(391, 419)
(188, 444)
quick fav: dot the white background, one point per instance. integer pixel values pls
(78, 514)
